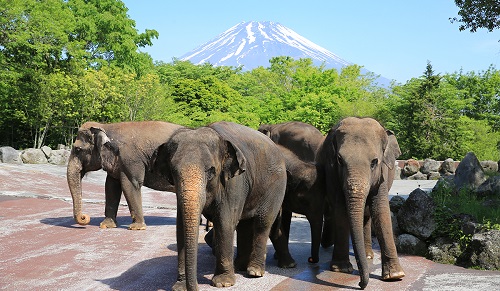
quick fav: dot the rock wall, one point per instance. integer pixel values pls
(44, 155)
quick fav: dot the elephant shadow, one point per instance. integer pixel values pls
(159, 273)
(122, 221)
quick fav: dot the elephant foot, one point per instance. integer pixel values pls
(179, 286)
(107, 223)
(313, 260)
(241, 263)
(369, 254)
(253, 271)
(137, 226)
(223, 280)
(392, 272)
(344, 267)
(285, 261)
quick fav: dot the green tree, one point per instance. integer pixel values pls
(475, 14)
(428, 118)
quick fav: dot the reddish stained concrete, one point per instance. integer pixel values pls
(42, 249)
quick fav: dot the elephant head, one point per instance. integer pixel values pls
(198, 162)
(361, 154)
(91, 151)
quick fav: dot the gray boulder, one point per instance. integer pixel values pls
(469, 173)
(411, 245)
(490, 187)
(433, 176)
(411, 167)
(418, 176)
(395, 203)
(447, 167)
(416, 216)
(490, 166)
(47, 151)
(33, 156)
(397, 172)
(483, 251)
(59, 157)
(444, 251)
(10, 155)
(429, 166)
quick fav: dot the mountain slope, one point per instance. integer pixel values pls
(252, 44)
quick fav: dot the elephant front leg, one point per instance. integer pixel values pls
(316, 224)
(180, 285)
(340, 257)
(391, 268)
(113, 191)
(367, 234)
(132, 193)
(224, 254)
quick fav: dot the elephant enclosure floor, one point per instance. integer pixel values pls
(42, 249)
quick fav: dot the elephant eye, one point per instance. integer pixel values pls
(210, 173)
(374, 163)
(340, 161)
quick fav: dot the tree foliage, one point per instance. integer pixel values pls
(65, 62)
(475, 14)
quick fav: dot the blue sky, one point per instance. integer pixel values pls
(392, 38)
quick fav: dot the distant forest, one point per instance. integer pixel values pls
(62, 64)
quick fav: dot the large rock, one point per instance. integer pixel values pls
(10, 155)
(411, 167)
(429, 166)
(33, 156)
(395, 203)
(447, 167)
(59, 157)
(418, 176)
(444, 251)
(411, 245)
(490, 187)
(490, 166)
(416, 216)
(469, 173)
(483, 251)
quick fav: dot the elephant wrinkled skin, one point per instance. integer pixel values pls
(124, 151)
(359, 157)
(234, 176)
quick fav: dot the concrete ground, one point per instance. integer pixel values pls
(41, 248)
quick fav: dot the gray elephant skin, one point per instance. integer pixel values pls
(359, 157)
(236, 177)
(304, 140)
(124, 151)
(305, 194)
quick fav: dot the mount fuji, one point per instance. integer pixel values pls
(252, 44)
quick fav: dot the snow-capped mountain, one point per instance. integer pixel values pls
(252, 44)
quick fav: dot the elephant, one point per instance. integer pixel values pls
(301, 138)
(359, 156)
(124, 151)
(304, 140)
(234, 176)
(305, 194)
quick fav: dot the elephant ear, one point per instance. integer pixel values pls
(160, 161)
(108, 149)
(234, 162)
(392, 151)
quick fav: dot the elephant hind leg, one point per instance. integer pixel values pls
(113, 193)
(244, 240)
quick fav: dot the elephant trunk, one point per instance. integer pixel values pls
(74, 176)
(356, 200)
(191, 199)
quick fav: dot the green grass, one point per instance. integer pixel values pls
(465, 201)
